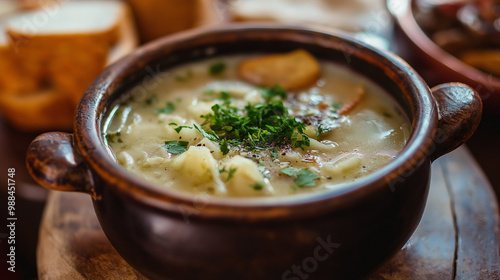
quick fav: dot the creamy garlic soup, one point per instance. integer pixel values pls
(204, 129)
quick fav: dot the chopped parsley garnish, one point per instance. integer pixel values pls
(217, 68)
(290, 171)
(210, 135)
(303, 178)
(258, 186)
(224, 95)
(322, 130)
(224, 147)
(337, 105)
(258, 126)
(230, 172)
(270, 93)
(176, 147)
(180, 127)
(301, 143)
(151, 100)
(306, 178)
(169, 108)
(209, 92)
(274, 153)
(114, 137)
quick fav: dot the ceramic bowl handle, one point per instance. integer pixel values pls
(53, 162)
(459, 110)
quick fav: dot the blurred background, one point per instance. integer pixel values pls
(51, 50)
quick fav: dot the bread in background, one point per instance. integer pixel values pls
(157, 18)
(60, 57)
(12, 78)
(40, 110)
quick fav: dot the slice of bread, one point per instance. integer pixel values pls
(61, 49)
(294, 70)
(68, 47)
(36, 4)
(40, 110)
(11, 79)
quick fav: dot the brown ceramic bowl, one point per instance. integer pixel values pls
(336, 234)
(435, 64)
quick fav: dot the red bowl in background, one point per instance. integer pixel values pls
(434, 64)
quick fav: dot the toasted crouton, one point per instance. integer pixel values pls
(294, 70)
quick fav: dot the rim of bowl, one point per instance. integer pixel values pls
(89, 143)
(402, 11)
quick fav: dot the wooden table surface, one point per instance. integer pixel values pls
(458, 237)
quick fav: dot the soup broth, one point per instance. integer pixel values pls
(200, 128)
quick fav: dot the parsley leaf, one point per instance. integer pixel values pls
(258, 186)
(306, 178)
(208, 92)
(176, 147)
(303, 178)
(337, 105)
(270, 93)
(179, 128)
(224, 147)
(230, 172)
(322, 130)
(274, 153)
(151, 100)
(256, 126)
(113, 137)
(169, 108)
(224, 95)
(210, 135)
(290, 171)
(301, 143)
(217, 68)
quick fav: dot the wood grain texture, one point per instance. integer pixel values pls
(429, 253)
(461, 207)
(73, 245)
(477, 220)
